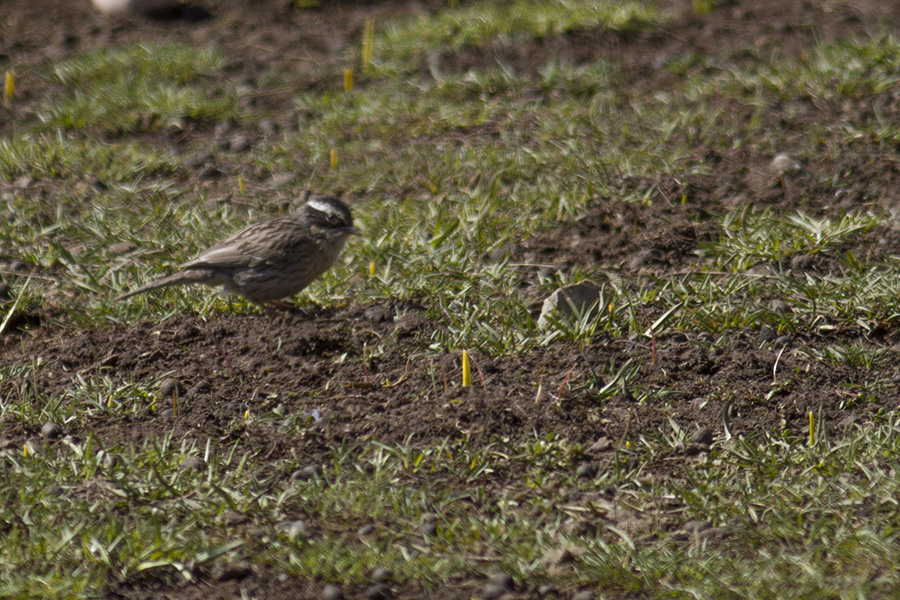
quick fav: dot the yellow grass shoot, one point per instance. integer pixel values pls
(812, 429)
(467, 370)
(9, 88)
(368, 39)
(348, 80)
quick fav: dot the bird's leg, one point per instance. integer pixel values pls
(284, 306)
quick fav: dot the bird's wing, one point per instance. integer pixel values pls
(259, 244)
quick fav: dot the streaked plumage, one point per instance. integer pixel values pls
(271, 259)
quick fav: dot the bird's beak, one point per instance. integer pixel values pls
(351, 229)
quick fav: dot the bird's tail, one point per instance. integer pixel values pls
(181, 278)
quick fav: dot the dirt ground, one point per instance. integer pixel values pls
(234, 362)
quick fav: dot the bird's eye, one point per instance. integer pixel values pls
(333, 219)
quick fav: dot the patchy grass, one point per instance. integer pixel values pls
(453, 175)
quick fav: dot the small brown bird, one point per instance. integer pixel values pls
(271, 259)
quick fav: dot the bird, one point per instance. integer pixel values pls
(271, 259)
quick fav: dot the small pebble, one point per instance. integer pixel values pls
(239, 143)
(169, 387)
(268, 126)
(295, 528)
(547, 590)
(381, 574)
(428, 529)
(587, 470)
(504, 580)
(783, 340)
(365, 530)
(332, 592)
(604, 444)
(193, 462)
(493, 592)
(23, 182)
(584, 595)
(779, 307)
(783, 163)
(51, 430)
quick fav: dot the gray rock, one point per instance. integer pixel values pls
(565, 302)
(332, 592)
(51, 430)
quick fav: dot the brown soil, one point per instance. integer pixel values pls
(241, 362)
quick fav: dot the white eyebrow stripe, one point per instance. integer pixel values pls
(321, 206)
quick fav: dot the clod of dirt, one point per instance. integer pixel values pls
(332, 592)
(584, 595)
(4, 292)
(767, 334)
(783, 340)
(378, 314)
(409, 323)
(600, 446)
(231, 571)
(232, 518)
(381, 574)
(504, 580)
(558, 557)
(779, 307)
(295, 528)
(193, 462)
(122, 247)
(208, 173)
(51, 430)
(803, 262)
(379, 591)
(569, 300)
(202, 159)
(703, 436)
(169, 387)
